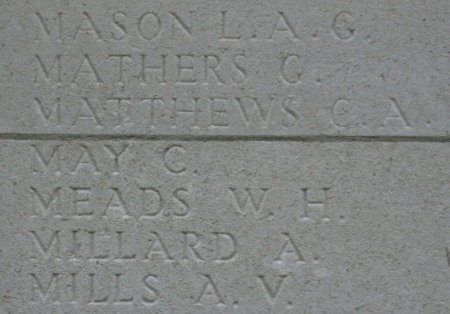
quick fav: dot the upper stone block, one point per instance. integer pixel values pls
(225, 67)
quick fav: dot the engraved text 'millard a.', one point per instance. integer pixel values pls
(124, 245)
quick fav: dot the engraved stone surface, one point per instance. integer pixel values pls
(225, 67)
(233, 227)
(225, 156)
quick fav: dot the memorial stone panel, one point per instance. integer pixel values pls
(225, 67)
(225, 156)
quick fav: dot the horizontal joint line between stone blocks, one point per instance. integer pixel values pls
(221, 138)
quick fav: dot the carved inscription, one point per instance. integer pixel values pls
(343, 25)
(73, 245)
(108, 221)
(218, 80)
(82, 215)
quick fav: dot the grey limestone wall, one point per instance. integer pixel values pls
(225, 156)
